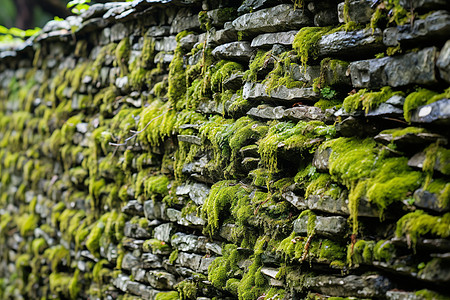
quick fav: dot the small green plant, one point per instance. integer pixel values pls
(78, 6)
(328, 93)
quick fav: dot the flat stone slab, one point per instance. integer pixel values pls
(282, 17)
(410, 139)
(411, 68)
(188, 242)
(267, 40)
(434, 27)
(257, 91)
(238, 51)
(326, 226)
(359, 11)
(443, 62)
(437, 113)
(197, 192)
(343, 43)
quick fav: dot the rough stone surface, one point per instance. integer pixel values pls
(395, 71)
(359, 11)
(239, 51)
(443, 62)
(326, 226)
(435, 113)
(279, 18)
(267, 40)
(257, 91)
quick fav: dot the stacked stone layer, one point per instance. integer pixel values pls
(219, 150)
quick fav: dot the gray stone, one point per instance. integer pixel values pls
(189, 260)
(325, 18)
(154, 210)
(129, 261)
(218, 17)
(437, 271)
(443, 62)
(267, 112)
(233, 82)
(411, 68)
(270, 272)
(138, 274)
(191, 139)
(150, 261)
(133, 207)
(118, 32)
(135, 231)
(163, 58)
(161, 280)
(359, 11)
(157, 31)
(385, 110)
(401, 295)
(205, 263)
(320, 159)
(327, 226)
(434, 27)
(406, 141)
(163, 232)
(267, 40)
(214, 247)
(188, 242)
(297, 201)
(257, 91)
(188, 41)
(418, 160)
(343, 43)
(190, 220)
(197, 192)
(223, 36)
(166, 44)
(239, 51)
(435, 113)
(279, 18)
(306, 75)
(184, 20)
(427, 200)
(121, 282)
(308, 113)
(366, 286)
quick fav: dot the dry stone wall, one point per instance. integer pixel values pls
(221, 150)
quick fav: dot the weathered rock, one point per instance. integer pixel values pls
(326, 18)
(239, 51)
(121, 282)
(279, 18)
(188, 242)
(443, 62)
(189, 260)
(370, 286)
(321, 158)
(441, 163)
(161, 280)
(437, 270)
(133, 207)
(437, 113)
(385, 110)
(157, 31)
(257, 91)
(410, 141)
(166, 44)
(395, 71)
(326, 226)
(434, 27)
(191, 139)
(184, 20)
(197, 192)
(135, 231)
(163, 232)
(222, 36)
(297, 201)
(188, 41)
(425, 199)
(129, 261)
(305, 74)
(154, 210)
(267, 40)
(233, 82)
(422, 5)
(352, 43)
(308, 113)
(267, 112)
(150, 261)
(204, 264)
(359, 11)
(190, 220)
(118, 32)
(219, 16)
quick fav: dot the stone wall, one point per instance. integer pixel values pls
(197, 150)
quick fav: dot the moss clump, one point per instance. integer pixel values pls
(305, 42)
(59, 284)
(418, 224)
(261, 59)
(430, 295)
(360, 252)
(122, 53)
(398, 132)
(357, 164)
(419, 98)
(287, 135)
(441, 188)
(281, 73)
(368, 100)
(167, 296)
(384, 251)
(156, 247)
(187, 290)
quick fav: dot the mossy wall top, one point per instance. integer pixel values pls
(228, 150)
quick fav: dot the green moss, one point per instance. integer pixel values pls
(384, 251)
(441, 188)
(305, 42)
(156, 246)
(287, 135)
(27, 223)
(173, 256)
(74, 285)
(258, 62)
(173, 295)
(187, 290)
(398, 132)
(430, 295)
(368, 100)
(419, 224)
(93, 239)
(56, 255)
(59, 283)
(122, 53)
